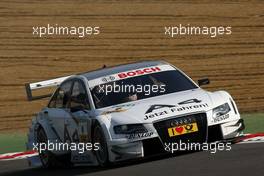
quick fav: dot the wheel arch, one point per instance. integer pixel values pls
(38, 123)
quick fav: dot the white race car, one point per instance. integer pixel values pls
(126, 112)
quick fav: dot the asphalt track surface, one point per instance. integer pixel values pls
(243, 159)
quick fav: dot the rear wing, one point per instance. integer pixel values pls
(40, 85)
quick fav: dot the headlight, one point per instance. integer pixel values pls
(130, 129)
(221, 110)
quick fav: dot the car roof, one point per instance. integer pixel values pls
(120, 68)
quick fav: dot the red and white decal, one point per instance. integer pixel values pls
(129, 74)
(251, 138)
(18, 155)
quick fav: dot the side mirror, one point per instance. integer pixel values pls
(203, 81)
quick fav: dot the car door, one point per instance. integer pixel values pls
(79, 125)
(58, 110)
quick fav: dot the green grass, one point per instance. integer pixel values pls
(15, 142)
(254, 122)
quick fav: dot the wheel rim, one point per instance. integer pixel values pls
(44, 156)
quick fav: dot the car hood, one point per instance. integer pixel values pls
(161, 107)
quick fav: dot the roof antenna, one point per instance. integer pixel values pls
(104, 66)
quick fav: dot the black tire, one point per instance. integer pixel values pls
(47, 158)
(102, 153)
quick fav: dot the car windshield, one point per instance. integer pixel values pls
(140, 87)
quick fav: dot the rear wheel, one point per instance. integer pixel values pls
(102, 153)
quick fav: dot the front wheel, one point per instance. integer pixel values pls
(102, 153)
(47, 158)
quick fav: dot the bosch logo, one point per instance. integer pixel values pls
(139, 72)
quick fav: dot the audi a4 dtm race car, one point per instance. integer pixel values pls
(127, 112)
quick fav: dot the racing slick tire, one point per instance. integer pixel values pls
(102, 153)
(47, 158)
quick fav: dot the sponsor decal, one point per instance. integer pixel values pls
(108, 79)
(171, 109)
(68, 138)
(129, 74)
(125, 106)
(113, 111)
(158, 106)
(183, 129)
(120, 108)
(140, 135)
(138, 72)
(81, 158)
(220, 118)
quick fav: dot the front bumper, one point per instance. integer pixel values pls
(119, 150)
(123, 149)
(126, 151)
(232, 129)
